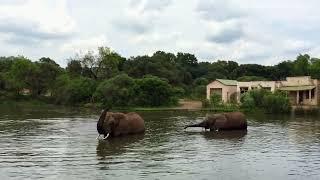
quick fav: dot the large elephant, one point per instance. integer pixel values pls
(117, 124)
(223, 121)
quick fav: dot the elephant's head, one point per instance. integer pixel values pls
(110, 123)
(207, 123)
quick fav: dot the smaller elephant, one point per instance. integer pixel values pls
(117, 124)
(223, 121)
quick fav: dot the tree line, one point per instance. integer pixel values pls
(110, 79)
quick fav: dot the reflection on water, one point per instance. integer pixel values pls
(117, 146)
(228, 135)
(58, 143)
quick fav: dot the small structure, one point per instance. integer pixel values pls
(224, 87)
(301, 90)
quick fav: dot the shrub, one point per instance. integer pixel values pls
(205, 103)
(258, 96)
(215, 100)
(276, 102)
(247, 101)
(271, 102)
(233, 98)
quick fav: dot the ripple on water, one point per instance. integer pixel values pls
(66, 148)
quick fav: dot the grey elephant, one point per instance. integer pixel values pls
(223, 121)
(118, 124)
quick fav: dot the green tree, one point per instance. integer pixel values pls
(24, 74)
(73, 91)
(48, 72)
(315, 68)
(117, 91)
(153, 91)
(108, 63)
(284, 69)
(301, 65)
(74, 68)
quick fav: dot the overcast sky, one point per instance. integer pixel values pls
(246, 31)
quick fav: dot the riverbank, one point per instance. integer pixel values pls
(184, 105)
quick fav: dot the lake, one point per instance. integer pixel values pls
(59, 143)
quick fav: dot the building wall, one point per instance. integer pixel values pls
(297, 81)
(227, 91)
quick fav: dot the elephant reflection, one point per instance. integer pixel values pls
(116, 146)
(231, 135)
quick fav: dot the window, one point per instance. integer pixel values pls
(216, 91)
(267, 88)
(307, 94)
(243, 90)
(312, 93)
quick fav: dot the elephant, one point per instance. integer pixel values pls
(223, 121)
(118, 124)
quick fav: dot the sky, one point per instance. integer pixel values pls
(246, 31)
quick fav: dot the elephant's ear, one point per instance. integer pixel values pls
(100, 123)
(118, 117)
(106, 120)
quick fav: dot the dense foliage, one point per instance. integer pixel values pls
(158, 80)
(271, 102)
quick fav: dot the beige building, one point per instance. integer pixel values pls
(301, 90)
(223, 87)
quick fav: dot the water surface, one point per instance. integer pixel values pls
(60, 143)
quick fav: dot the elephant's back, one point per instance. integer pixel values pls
(136, 122)
(236, 120)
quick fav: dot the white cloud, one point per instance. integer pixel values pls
(263, 32)
(35, 20)
(89, 44)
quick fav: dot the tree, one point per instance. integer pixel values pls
(188, 62)
(160, 64)
(301, 65)
(105, 64)
(24, 74)
(153, 91)
(284, 69)
(48, 71)
(74, 68)
(108, 63)
(73, 91)
(315, 68)
(117, 91)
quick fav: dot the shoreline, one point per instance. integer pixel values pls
(184, 106)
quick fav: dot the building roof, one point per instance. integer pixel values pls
(296, 88)
(227, 82)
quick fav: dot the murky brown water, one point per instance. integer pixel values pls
(55, 144)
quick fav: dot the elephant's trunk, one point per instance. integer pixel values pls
(195, 125)
(100, 122)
